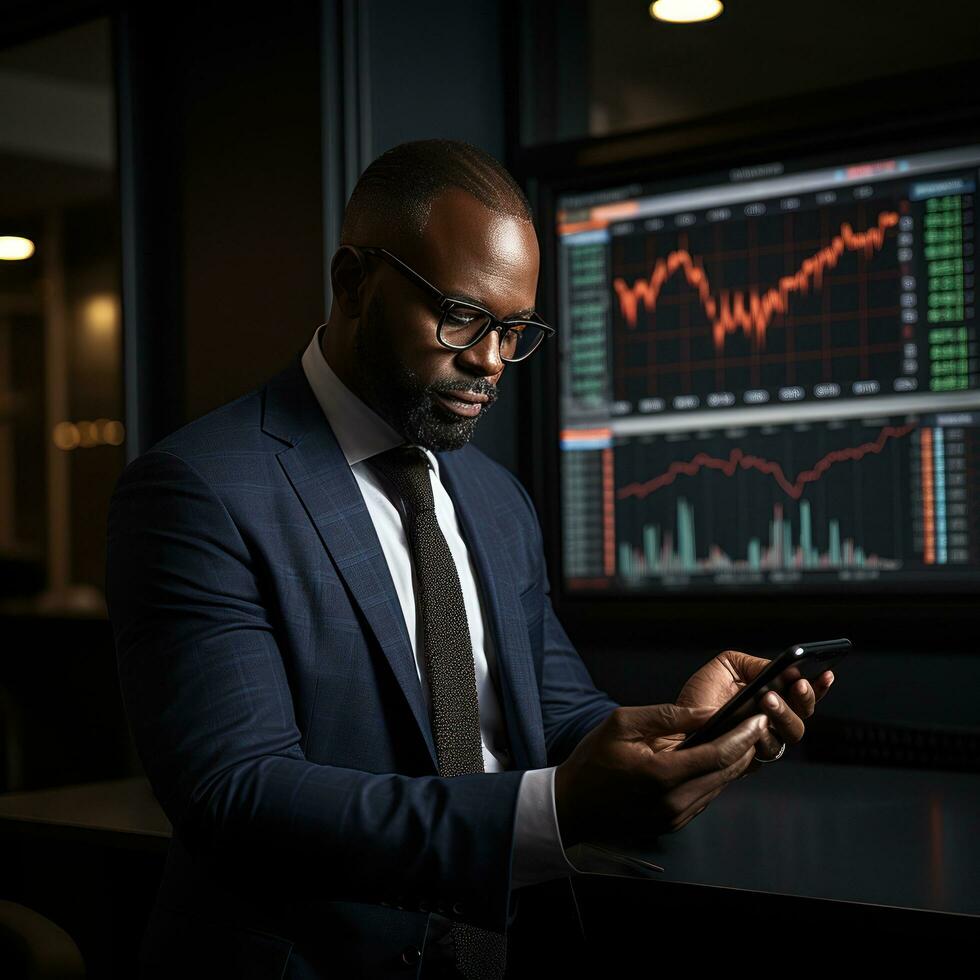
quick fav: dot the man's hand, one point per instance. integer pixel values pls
(722, 678)
(626, 783)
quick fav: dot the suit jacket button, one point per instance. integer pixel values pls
(424, 906)
(411, 955)
(457, 908)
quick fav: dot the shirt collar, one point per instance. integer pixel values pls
(360, 431)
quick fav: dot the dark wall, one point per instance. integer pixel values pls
(222, 104)
(250, 193)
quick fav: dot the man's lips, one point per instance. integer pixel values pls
(465, 396)
(469, 403)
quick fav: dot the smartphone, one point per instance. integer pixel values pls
(807, 660)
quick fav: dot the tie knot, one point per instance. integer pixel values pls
(407, 467)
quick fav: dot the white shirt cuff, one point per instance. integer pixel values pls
(538, 851)
(539, 854)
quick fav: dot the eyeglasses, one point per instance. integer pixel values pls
(463, 324)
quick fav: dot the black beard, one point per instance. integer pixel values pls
(399, 396)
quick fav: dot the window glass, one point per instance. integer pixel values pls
(61, 391)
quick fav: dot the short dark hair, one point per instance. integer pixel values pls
(399, 186)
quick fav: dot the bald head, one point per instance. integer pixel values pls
(392, 200)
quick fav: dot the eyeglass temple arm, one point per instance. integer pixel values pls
(442, 297)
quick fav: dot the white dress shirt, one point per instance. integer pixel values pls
(362, 433)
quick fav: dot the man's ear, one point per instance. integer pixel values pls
(348, 273)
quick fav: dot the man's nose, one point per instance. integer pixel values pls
(485, 355)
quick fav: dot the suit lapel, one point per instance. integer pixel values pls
(519, 694)
(321, 476)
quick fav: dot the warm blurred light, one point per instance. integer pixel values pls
(100, 315)
(114, 433)
(685, 11)
(13, 247)
(66, 435)
(86, 434)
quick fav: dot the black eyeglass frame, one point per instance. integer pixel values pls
(447, 302)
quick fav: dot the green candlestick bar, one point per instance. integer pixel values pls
(685, 535)
(810, 557)
(650, 536)
(626, 560)
(834, 526)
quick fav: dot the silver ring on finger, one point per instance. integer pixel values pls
(778, 755)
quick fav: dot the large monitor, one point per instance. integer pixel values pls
(769, 377)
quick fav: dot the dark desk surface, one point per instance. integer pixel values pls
(888, 837)
(117, 813)
(896, 837)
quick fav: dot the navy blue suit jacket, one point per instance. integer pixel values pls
(272, 694)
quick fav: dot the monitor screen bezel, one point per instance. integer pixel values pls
(692, 152)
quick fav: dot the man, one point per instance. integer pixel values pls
(336, 645)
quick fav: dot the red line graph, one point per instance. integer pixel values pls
(749, 312)
(738, 459)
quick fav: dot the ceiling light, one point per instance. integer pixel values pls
(685, 11)
(14, 247)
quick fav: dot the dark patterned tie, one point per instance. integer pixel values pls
(480, 953)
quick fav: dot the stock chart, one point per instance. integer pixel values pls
(770, 378)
